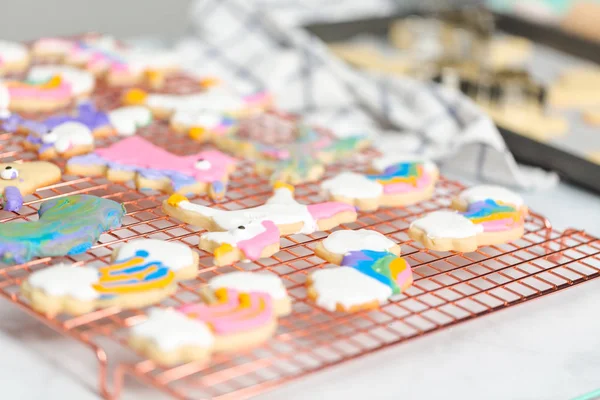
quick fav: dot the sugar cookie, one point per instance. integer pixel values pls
(135, 65)
(95, 53)
(152, 167)
(371, 271)
(212, 100)
(18, 180)
(487, 215)
(52, 48)
(38, 96)
(232, 321)
(66, 225)
(14, 57)
(82, 82)
(285, 149)
(65, 140)
(142, 272)
(397, 183)
(253, 233)
(201, 125)
(260, 282)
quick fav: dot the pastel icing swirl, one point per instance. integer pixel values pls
(234, 313)
(493, 216)
(383, 266)
(403, 177)
(67, 225)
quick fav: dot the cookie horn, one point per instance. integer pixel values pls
(283, 185)
(175, 199)
(135, 97)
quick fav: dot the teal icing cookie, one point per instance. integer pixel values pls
(67, 225)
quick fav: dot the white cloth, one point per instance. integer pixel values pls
(248, 44)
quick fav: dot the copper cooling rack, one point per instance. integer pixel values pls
(449, 288)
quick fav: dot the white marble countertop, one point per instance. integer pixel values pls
(542, 350)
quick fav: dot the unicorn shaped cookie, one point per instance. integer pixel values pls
(253, 233)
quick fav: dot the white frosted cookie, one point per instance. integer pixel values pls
(82, 82)
(127, 120)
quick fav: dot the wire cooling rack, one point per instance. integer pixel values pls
(449, 287)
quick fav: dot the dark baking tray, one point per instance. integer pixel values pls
(569, 166)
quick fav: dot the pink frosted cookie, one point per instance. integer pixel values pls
(152, 167)
(82, 82)
(14, 57)
(397, 182)
(485, 215)
(251, 234)
(227, 321)
(371, 271)
(40, 96)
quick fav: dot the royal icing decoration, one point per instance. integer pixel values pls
(81, 82)
(170, 330)
(86, 114)
(206, 171)
(447, 224)
(66, 137)
(213, 101)
(127, 120)
(54, 91)
(252, 230)
(497, 193)
(395, 185)
(344, 241)
(142, 266)
(66, 225)
(243, 281)
(18, 180)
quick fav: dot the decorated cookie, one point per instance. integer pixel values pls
(95, 53)
(82, 82)
(152, 167)
(229, 321)
(396, 183)
(66, 225)
(18, 180)
(14, 57)
(65, 140)
(253, 233)
(134, 66)
(38, 96)
(369, 274)
(202, 125)
(212, 100)
(485, 215)
(143, 272)
(52, 48)
(259, 282)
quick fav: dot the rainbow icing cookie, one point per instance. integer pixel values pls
(397, 181)
(485, 215)
(371, 271)
(143, 272)
(66, 225)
